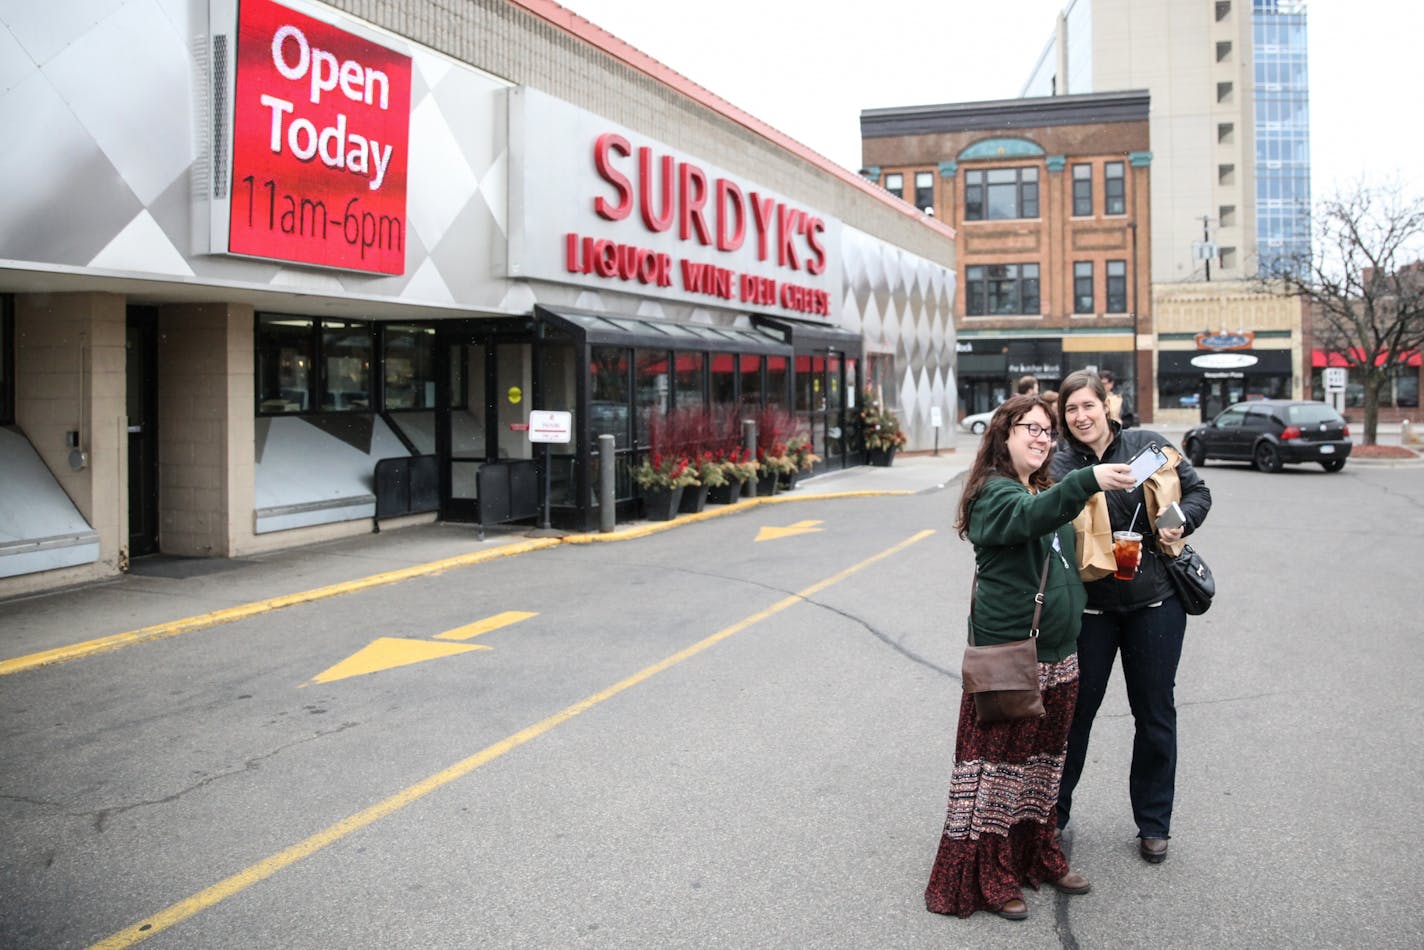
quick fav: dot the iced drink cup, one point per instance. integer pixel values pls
(1127, 551)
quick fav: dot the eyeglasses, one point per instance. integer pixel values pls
(1035, 430)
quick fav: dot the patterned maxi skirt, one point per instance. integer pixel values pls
(1002, 802)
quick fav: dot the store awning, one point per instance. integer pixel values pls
(1319, 358)
(611, 329)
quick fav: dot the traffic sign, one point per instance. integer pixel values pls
(1335, 379)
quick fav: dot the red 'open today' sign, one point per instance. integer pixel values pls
(321, 129)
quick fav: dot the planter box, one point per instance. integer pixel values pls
(660, 504)
(767, 485)
(724, 494)
(881, 457)
(694, 499)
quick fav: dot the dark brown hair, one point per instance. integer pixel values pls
(993, 458)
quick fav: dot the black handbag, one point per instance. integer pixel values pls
(1192, 580)
(1003, 677)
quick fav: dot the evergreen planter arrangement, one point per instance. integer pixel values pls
(725, 493)
(879, 430)
(767, 485)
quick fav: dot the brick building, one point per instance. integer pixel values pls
(1050, 198)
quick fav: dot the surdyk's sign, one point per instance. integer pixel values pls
(637, 216)
(321, 129)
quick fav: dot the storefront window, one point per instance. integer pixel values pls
(651, 385)
(777, 368)
(751, 379)
(286, 353)
(691, 379)
(724, 380)
(408, 356)
(346, 361)
(608, 394)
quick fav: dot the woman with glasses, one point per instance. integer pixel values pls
(999, 834)
(1139, 618)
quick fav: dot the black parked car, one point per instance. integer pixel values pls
(1273, 432)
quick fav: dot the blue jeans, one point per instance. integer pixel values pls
(1150, 640)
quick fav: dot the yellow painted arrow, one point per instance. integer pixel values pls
(387, 653)
(801, 527)
(471, 630)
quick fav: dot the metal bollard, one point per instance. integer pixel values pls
(749, 437)
(607, 478)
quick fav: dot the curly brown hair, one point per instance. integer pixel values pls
(993, 458)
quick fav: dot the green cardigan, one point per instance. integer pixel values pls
(1013, 530)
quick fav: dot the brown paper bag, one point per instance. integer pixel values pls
(1093, 534)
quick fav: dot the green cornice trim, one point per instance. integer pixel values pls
(1139, 159)
(1056, 163)
(948, 169)
(1000, 148)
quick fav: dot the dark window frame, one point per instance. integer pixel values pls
(1085, 298)
(316, 376)
(979, 191)
(1116, 287)
(898, 190)
(1003, 290)
(1082, 191)
(1114, 189)
(924, 194)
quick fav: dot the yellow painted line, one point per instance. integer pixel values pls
(189, 907)
(471, 630)
(243, 611)
(387, 653)
(770, 533)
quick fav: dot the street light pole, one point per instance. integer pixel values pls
(1136, 395)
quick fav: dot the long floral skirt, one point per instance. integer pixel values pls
(1002, 801)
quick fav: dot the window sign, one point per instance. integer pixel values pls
(321, 123)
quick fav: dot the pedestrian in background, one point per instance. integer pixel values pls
(999, 834)
(1112, 400)
(1141, 618)
(1028, 386)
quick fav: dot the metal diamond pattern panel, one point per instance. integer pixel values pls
(903, 301)
(101, 196)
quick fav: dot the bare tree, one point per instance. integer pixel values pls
(1364, 283)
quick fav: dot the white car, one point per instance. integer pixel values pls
(978, 422)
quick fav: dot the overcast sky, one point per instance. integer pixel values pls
(808, 67)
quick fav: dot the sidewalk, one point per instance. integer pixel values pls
(164, 596)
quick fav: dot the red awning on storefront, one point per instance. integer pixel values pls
(1319, 358)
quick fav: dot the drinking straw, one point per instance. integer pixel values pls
(1133, 523)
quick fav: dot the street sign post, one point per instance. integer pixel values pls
(548, 426)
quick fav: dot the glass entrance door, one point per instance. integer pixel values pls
(142, 408)
(486, 417)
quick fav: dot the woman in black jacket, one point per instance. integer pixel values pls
(1140, 618)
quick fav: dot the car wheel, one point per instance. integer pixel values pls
(978, 428)
(1195, 453)
(1267, 458)
(1333, 465)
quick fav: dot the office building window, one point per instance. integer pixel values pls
(997, 193)
(1001, 289)
(1117, 286)
(1114, 189)
(924, 190)
(895, 184)
(1082, 191)
(1083, 287)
